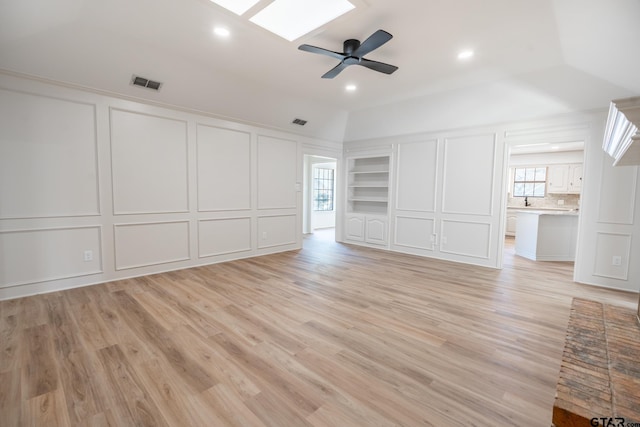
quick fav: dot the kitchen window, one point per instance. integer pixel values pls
(529, 182)
(322, 189)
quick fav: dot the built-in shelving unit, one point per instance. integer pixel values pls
(368, 185)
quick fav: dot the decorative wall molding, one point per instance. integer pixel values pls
(277, 184)
(142, 250)
(468, 237)
(463, 182)
(281, 226)
(221, 177)
(50, 159)
(25, 254)
(611, 204)
(156, 193)
(608, 246)
(549, 133)
(429, 235)
(414, 184)
(230, 248)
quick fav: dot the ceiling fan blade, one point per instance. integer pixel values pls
(335, 71)
(378, 66)
(374, 41)
(321, 51)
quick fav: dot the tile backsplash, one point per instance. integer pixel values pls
(571, 201)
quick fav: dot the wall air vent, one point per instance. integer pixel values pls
(149, 84)
(299, 122)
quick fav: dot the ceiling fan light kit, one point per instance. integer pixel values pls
(353, 54)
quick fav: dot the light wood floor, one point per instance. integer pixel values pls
(332, 335)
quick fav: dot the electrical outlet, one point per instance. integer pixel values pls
(88, 255)
(560, 202)
(617, 260)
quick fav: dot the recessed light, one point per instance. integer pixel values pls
(465, 54)
(350, 88)
(236, 6)
(221, 31)
(291, 19)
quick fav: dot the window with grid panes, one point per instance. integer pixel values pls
(322, 189)
(529, 182)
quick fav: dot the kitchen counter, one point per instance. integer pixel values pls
(535, 208)
(547, 235)
(548, 212)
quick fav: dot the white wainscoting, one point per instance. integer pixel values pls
(469, 168)
(223, 236)
(144, 244)
(470, 239)
(149, 163)
(48, 157)
(38, 255)
(171, 188)
(417, 233)
(277, 172)
(611, 245)
(416, 176)
(224, 169)
(618, 207)
(277, 230)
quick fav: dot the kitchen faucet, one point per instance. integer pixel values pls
(526, 202)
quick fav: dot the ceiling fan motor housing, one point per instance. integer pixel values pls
(350, 46)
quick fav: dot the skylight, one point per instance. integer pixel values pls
(236, 6)
(291, 19)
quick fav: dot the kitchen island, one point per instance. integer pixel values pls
(543, 235)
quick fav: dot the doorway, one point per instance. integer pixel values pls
(540, 167)
(319, 195)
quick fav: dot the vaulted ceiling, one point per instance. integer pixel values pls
(569, 54)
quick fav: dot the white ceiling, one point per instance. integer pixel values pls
(258, 77)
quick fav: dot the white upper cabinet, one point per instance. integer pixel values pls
(558, 179)
(565, 179)
(575, 178)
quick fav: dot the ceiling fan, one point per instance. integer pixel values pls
(354, 53)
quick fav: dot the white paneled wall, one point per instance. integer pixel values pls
(224, 236)
(449, 196)
(608, 252)
(145, 244)
(276, 173)
(36, 255)
(148, 163)
(224, 169)
(96, 188)
(447, 189)
(47, 148)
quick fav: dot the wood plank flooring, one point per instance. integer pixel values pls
(331, 335)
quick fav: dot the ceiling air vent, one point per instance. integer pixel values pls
(299, 122)
(149, 84)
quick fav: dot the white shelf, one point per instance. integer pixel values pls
(368, 186)
(369, 199)
(368, 171)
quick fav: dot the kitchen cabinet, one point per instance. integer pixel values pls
(575, 178)
(547, 235)
(512, 217)
(564, 179)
